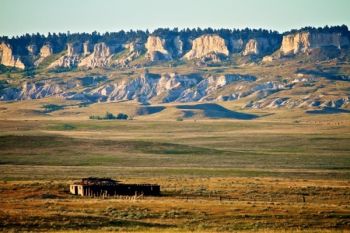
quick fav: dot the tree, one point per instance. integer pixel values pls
(122, 116)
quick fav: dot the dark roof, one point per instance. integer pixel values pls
(98, 181)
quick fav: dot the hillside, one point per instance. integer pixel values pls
(255, 69)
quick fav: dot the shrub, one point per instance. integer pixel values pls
(110, 116)
(122, 116)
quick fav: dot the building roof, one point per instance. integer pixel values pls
(98, 181)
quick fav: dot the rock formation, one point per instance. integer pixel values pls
(74, 49)
(311, 82)
(100, 57)
(46, 51)
(207, 44)
(32, 49)
(305, 41)
(256, 46)
(168, 87)
(65, 62)
(72, 58)
(86, 48)
(7, 58)
(178, 44)
(174, 45)
(156, 49)
(132, 50)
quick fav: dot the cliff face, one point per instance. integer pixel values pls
(304, 41)
(308, 83)
(86, 48)
(74, 51)
(7, 57)
(178, 44)
(205, 45)
(256, 46)
(132, 50)
(100, 57)
(46, 51)
(156, 49)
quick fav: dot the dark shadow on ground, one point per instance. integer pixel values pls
(325, 74)
(217, 111)
(147, 110)
(328, 110)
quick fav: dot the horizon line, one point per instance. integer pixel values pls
(170, 28)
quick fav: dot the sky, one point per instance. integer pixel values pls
(30, 16)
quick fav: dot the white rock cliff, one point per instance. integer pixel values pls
(7, 58)
(304, 41)
(156, 49)
(207, 44)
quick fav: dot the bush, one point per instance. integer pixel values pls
(110, 116)
(122, 116)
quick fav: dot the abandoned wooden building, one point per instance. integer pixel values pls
(95, 187)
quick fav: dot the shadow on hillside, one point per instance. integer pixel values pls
(330, 75)
(216, 111)
(147, 110)
(328, 110)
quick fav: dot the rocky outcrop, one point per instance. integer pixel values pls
(86, 48)
(7, 58)
(305, 41)
(335, 105)
(74, 49)
(172, 87)
(131, 51)
(65, 62)
(178, 44)
(168, 87)
(46, 51)
(32, 49)
(208, 86)
(32, 90)
(260, 46)
(156, 50)
(207, 44)
(255, 46)
(71, 59)
(100, 57)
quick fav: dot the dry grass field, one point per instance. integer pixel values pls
(286, 171)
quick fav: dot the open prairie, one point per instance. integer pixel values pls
(283, 171)
(175, 116)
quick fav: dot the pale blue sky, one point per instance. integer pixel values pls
(21, 16)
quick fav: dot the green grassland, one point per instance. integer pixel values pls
(216, 175)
